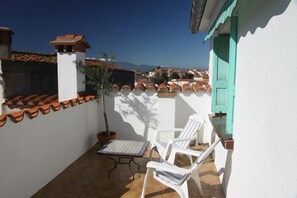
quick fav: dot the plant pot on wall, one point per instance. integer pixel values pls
(103, 138)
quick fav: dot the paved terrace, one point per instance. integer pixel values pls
(87, 177)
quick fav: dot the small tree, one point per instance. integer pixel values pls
(99, 78)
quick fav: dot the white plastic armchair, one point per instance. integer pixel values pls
(187, 134)
(176, 177)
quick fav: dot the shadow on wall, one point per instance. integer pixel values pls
(226, 170)
(116, 122)
(254, 11)
(142, 107)
(183, 111)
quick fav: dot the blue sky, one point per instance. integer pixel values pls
(154, 32)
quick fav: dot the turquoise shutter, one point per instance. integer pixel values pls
(220, 74)
(232, 75)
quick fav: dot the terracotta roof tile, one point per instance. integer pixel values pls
(52, 58)
(207, 87)
(198, 87)
(174, 87)
(71, 39)
(56, 106)
(186, 87)
(126, 88)
(80, 100)
(139, 87)
(150, 86)
(116, 87)
(162, 88)
(73, 102)
(17, 116)
(88, 98)
(33, 112)
(65, 104)
(30, 101)
(95, 62)
(2, 120)
(27, 56)
(33, 103)
(45, 109)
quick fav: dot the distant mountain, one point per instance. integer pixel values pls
(131, 66)
(146, 68)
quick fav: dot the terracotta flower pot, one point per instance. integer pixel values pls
(103, 138)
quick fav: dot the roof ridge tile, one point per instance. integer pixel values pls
(32, 113)
(3, 119)
(17, 116)
(45, 109)
(56, 106)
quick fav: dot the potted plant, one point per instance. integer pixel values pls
(99, 78)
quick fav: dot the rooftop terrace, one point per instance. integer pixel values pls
(87, 177)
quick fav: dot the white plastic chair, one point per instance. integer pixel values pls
(187, 134)
(176, 177)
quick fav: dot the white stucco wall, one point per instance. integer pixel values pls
(264, 157)
(34, 151)
(138, 115)
(69, 80)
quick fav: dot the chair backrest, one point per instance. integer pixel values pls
(199, 161)
(193, 124)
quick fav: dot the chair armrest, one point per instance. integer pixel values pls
(188, 151)
(171, 144)
(165, 166)
(168, 130)
(183, 139)
(161, 131)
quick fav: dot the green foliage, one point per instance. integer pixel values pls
(99, 78)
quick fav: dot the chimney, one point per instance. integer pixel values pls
(70, 48)
(5, 42)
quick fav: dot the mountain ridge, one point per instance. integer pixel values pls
(144, 67)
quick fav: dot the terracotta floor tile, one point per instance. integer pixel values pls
(87, 177)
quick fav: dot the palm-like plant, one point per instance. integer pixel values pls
(99, 77)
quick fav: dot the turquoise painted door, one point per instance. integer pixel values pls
(220, 74)
(232, 75)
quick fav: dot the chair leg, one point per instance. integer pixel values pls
(183, 190)
(148, 173)
(151, 151)
(171, 157)
(196, 178)
(191, 159)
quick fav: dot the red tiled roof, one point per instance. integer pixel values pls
(30, 101)
(34, 104)
(51, 58)
(27, 56)
(172, 88)
(94, 62)
(71, 39)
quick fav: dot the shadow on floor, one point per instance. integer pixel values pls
(88, 177)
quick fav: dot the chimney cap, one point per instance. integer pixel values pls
(71, 39)
(6, 29)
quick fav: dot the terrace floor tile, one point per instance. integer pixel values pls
(87, 177)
